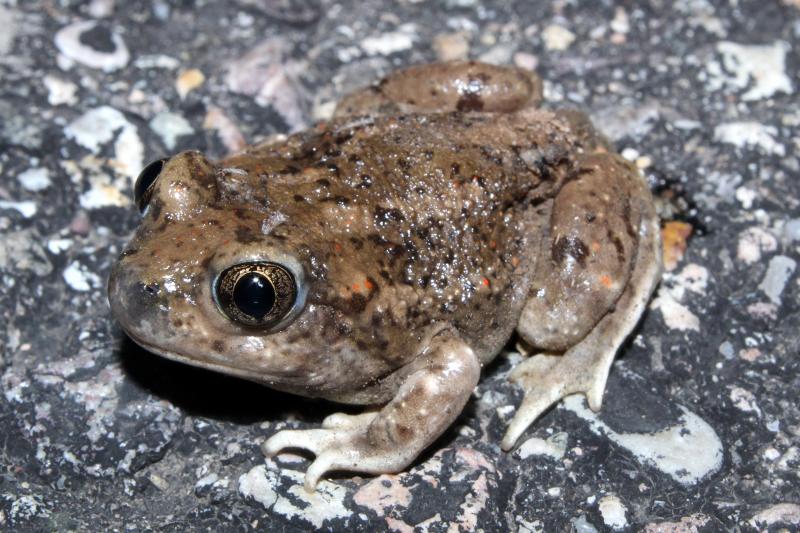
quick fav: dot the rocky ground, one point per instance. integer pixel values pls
(701, 426)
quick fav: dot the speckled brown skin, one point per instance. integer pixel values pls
(421, 233)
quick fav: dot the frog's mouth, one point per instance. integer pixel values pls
(174, 356)
(262, 377)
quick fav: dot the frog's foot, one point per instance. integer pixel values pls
(342, 444)
(583, 368)
(378, 442)
(546, 379)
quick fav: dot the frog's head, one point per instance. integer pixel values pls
(220, 276)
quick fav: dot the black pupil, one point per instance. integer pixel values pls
(145, 180)
(254, 295)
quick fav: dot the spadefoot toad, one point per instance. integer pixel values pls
(383, 257)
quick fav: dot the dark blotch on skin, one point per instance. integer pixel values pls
(617, 242)
(384, 217)
(572, 247)
(299, 198)
(290, 169)
(129, 252)
(470, 102)
(375, 287)
(366, 182)
(155, 207)
(357, 303)
(245, 236)
(218, 346)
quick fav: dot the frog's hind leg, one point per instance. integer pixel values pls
(442, 87)
(590, 341)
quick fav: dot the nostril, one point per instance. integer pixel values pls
(150, 288)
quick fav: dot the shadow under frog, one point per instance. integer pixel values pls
(383, 258)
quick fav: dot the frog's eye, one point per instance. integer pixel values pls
(143, 189)
(257, 294)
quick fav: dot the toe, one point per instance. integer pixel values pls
(312, 440)
(325, 462)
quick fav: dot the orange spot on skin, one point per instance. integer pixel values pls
(595, 246)
(368, 284)
(606, 281)
(515, 262)
(492, 245)
(485, 282)
(337, 247)
(356, 287)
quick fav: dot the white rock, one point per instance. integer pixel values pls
(26, 208)
(750, 134)
(56, 246)
(102, 194)
(326, 502)
(388, 43)
(99, 126)
(170, 126)
(68, 42)
(688, 451)
(744, 400)
(554, 447)
(79, 278)
(557, 37)
(778, 273)
(35, 179)
(60, 91)
(782, 513)
(156, 61)
(676, 315)
(746, 196)
(613, 512)
(753, 242)
(762, 68)
(620, 23)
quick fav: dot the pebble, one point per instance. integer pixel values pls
(60, 91)
(101, 125)
(761, 69)
(778, 273)
(389, 43)
(90, 44)
(554, 447)
(170, 126)
(189, 80)
(613, 512)
(27, 208)
(557, 37)
(451, 46)
(35, 179)
(79, 278)
(750, 134)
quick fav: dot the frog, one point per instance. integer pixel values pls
(383, 257)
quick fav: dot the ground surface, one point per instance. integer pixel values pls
(701, 428)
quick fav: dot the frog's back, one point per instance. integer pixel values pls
(438, 212)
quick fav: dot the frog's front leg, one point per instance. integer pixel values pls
(385, 441)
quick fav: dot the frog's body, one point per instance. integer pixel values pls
(439, 212)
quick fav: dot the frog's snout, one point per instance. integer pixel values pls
(134, 302)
